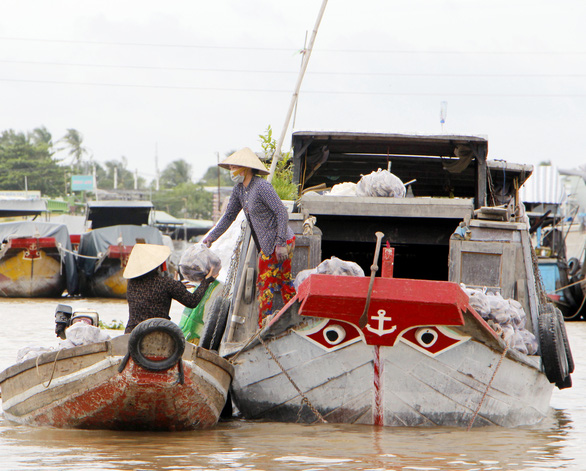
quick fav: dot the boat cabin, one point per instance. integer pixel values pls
(450, 179)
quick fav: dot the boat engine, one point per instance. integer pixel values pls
(63, 315)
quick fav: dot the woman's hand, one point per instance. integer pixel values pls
(281, 253)
(213, 273)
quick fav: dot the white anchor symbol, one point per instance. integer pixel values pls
(380, 331)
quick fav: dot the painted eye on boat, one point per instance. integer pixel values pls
(426, 337)
(334, 334)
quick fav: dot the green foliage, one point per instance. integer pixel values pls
(29, 158)
(176, 173)
(114, 325)
(210, 178)
(186, 200)
(283, 177)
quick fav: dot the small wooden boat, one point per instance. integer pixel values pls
(36, 260)
(150, 379)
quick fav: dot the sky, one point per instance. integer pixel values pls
(155, 81)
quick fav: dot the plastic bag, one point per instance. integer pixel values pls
(381, 183)
(478, 301)
(335, 266)
(197, 261)
(192, 320)
(302, 276)
(81, 333)
(344, 189)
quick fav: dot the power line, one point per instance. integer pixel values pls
(257, 48)
(321, 92)
(252, 71)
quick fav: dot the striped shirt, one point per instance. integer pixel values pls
(265, 211)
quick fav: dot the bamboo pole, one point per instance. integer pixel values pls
(306, 56)
(276, 158)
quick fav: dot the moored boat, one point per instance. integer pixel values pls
(407, 348)
(150, 379)
(116, 226)
(36, 260)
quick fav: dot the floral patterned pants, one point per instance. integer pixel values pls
(273, 274)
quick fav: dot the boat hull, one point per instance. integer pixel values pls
(401, 386)
(26, 276)
(82, 387)
(424, 357)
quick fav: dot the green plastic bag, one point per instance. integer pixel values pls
(192, 320)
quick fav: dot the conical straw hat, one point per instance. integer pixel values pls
(245, 158)
(144, 258)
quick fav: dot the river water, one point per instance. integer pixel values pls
(557, 443)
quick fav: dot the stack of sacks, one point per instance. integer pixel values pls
(381, 183)
(332, 266)
(506, 316)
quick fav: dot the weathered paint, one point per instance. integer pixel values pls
(88, 391)
(31, 272)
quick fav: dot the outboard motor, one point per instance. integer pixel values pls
(89, 316)
(62, 319)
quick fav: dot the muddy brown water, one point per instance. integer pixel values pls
(557, 443)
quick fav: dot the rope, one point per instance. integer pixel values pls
(304, 397)
(75, 254)
(52, 372)
(506, 349)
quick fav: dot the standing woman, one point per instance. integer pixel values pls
(268, 220)
(150, 291)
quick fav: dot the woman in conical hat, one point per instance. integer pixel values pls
(150, 291)
(268, 220)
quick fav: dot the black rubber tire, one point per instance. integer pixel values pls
(574, 266)
(154, 325)
(567, 348)
(216, 322)
(553, 352)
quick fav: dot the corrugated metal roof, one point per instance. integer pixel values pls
(544, 186)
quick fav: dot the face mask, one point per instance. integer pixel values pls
(235, 177)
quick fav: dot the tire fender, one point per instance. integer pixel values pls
(554, 349)
(156, 325)
(215, 324)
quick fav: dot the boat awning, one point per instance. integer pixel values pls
(113, 213)
(22, 207)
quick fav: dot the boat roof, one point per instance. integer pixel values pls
(12, 207)
(445, 165)
(116, 212)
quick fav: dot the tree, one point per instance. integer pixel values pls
(186, 200)
(74, 139)
(176, 173)
(26, 163)
(210, 177)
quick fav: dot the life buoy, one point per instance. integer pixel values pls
(215, 324)
(148, 327)
(554, 349)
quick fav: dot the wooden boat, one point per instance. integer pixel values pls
(408, 350)
(36, 260)
(150, 379)
(116, 227)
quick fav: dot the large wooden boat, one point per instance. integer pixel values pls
(150, 379)
(116, 226)
(36, 260)
(407, 349)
